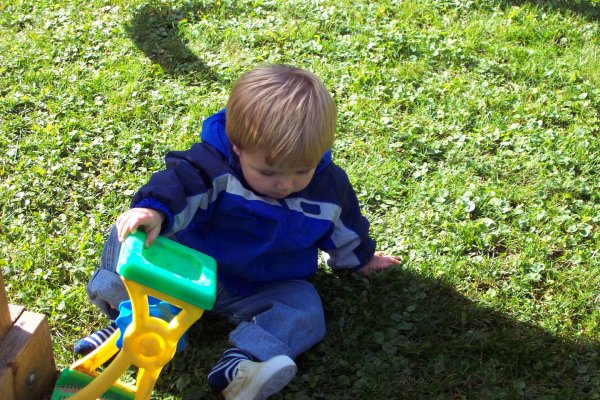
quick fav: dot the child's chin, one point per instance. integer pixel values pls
(278, 196)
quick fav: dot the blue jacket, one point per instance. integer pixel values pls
(255, 239)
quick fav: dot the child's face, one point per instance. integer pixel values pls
(273, 182)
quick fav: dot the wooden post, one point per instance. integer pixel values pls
(27, 369)
(5, 320)
(6, 377)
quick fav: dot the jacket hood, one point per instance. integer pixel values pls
(213, 133)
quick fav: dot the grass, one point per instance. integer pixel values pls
(470, 131)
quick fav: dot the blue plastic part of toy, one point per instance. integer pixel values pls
(158, 308)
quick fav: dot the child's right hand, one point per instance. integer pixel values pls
(130, 220)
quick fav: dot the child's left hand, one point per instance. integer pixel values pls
(379, 262)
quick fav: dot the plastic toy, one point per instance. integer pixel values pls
(167, 271)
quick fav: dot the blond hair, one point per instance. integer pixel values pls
(283, 110)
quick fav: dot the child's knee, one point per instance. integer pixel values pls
(310, 315)
(106, 290)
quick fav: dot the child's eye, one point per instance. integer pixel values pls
(267, 173)
(304, 172)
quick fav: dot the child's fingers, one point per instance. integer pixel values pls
(127, 224)
(391, 259)
(151, 236)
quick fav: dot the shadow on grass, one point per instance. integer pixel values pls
(589, 9)
(154, 29)
(400, 335)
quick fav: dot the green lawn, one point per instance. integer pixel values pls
(470, 129)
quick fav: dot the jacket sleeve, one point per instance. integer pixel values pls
(349, 245)
(182, 189)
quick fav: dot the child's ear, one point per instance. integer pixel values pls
(236, 150)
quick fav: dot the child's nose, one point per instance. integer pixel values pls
(286, 183)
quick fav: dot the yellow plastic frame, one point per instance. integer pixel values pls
(148, 343)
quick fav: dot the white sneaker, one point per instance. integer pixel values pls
(259, 380)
